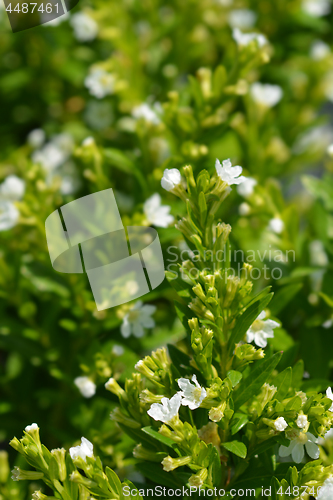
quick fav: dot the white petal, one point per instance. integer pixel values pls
(138, 330)
(260, 340)
(298, 453)
(312, 450)
(125, 328)
(285, 451)
(148, 309)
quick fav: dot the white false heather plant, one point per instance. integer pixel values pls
(211, 412)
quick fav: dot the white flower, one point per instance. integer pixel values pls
(302, 421)
(55, 152)
(319, 50)
(228, 173)
(157, 214)
(318, 256)
(280, 424)
(266, 94)
(84, 450)
(88, 141)
(296, 447)
(12, 188)
(242, 18)
(326, 491)
(244, 39)
(8, 215)
(327, 324)
(147, 113)
(32, 427)
(261, 330)
(118, 350)
(138, 318)
(276, 225)
(36, 138)
(100, 83)
(330, 150)
(85, 386)
(329, 395)
(244, 209)
(171, 178)
(85, 28)
(167, 410)
(193, 395)
(316, 139)
(317, 8)
(246, 188)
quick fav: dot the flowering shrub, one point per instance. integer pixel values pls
(219, 380)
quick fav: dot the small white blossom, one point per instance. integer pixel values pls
(244, 39)
(12, 188)
(276, 225)
(316, 139)
(36, 138)
(85, 28)
(55, 152)
(147, 112)
(266, 94)
(242, 18)
(171, 178)
(138, 318)
(317, 8)
(302, 421)
(9, 215)
(100, 83)
(85, 386)
(32, 427)
(327, 324)
(167, 410)
(157, 214)
(261, 330)
(246, 188)
(192, 395)
(280, 424)
(88, 141)
(326, 491)
(319, 50)
(244, 209)
(84, 450)
(118, 350)
(297, 444)
(228, 173)
(329, 395)
(318, 256)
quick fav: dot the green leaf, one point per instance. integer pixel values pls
(245, 320)
(234, 377)
(283, 382)
(155, 473)
(283, 298)
(179, 358)
(237, 448)
(219, 80)
(253, 383)
(114, 481)
(238, 421)
(215, 466)
(119, 160)
(298, 371)
(159, 437)
(294, 404)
